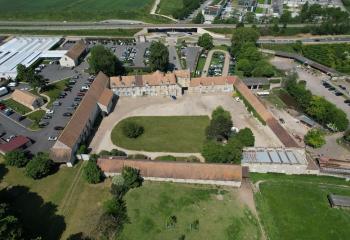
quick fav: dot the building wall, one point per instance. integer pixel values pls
(66, 61)
(164, 90)
(211, 89)
(189, 181)
(277, 168)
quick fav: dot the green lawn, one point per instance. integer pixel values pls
(200, 65)
(164, 134)
(220, 217)
(167, 7)
(36, 117)
(296, 207)
(16, 106)
(54, 90)
(77, 10)
(274, 99)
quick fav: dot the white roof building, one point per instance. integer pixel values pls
(26, 51)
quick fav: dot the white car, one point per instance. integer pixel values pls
(85, 87)
(12, 84)
(10, 138)
(51, 138)
(50, 111)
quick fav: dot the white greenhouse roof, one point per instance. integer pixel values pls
(25, 50)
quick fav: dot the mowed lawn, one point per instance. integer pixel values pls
(296, 207)
(164, 134)
(220, 214)
(48, 206)
(167, 7)
(86, 10)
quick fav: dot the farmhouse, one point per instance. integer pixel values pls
(27, 99)
(155, 84)
(211, 85)
(73, 56)
(80, 125)
(183, 172)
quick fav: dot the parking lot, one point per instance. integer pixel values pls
(55, 119)
(188, 105)
(54, 72)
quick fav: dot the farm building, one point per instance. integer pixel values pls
(338, 200)
(183, 172)
(279, 160)
(26, 51)
(19, 142)
(73, 57)
(79, 127)
(27, 99)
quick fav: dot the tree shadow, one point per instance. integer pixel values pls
(3, 171)
(38, 218)
(79, 236)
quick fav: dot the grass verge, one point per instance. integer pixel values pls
(36, 117)
(54, 90)
(164, 134)
(16, 106)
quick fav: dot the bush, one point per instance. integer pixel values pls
(137, 156)
(246, 137)
(116, 152)
(132, 177)
(315, 138)
(39, 167)
(118, 188)
(16, 158)
(346, 136)
(132, 129)
(92, 172)
(82, 149)
(220, 125)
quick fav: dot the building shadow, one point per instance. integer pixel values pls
(3, 171)
(38, 218)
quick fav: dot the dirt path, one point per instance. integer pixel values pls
(208, 61)
(154, 11)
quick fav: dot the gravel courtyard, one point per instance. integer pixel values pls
(189, 105)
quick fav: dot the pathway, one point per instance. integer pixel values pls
(208, 61)
(154, 10)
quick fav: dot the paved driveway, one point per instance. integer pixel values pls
(185, 106)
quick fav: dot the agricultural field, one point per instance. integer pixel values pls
(164, 134)
(77, 10)
(296, 207)
(201, 212)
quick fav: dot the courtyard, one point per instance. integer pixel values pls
(187, 105)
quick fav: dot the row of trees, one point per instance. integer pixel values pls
(223, 145)
(188, 6)
(39, 166)
(249, 60)
(28, 75)
(323, 111)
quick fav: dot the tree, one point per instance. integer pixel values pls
(102, 59)
(35, 81)
(10, 228)
(21, 73)
(245, 66)
(16, 158)
(119, 188)
(82, 149)
(217, 153)
(246, 137)
(199, 18)
(314, 138)
(243, 35)
(220, 125)
(346, 136)
(40, 166)
(205, 41)
(285, 18)
(250, 17)
(159, 57)
(92, 172)
(132, 177)
(132, 129)
(263, 69)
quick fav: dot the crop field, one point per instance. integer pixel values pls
(296, 207)
(76, 10)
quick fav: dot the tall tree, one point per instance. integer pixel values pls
(199, 18)
(205, 41)
(21, 73)
(220, 125)
(102, 59)
(10, 228)
(243, 35)
(159, 57)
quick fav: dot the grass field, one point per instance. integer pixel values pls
(54, 90)
(77, 10)
(36, 117)
(16, 106)
(164, 134)
(220, 214)
(296, 207)
(167, 7)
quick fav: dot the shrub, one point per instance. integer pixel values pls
(137, 156)
(16, 158)
(132, 129)
(82, 149)
(220, 125)
(246, 137)
(118, 188)
(40, 166)
(132, 177)
(92, 172)
(116, 152)
(315, 138)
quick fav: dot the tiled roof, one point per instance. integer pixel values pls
(208, 81)
(106, 97)
(77, 49)
(182, 73)
(175, 170)
(24, 97)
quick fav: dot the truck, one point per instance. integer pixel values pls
(3, 91)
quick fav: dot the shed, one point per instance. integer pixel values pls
(338, 200)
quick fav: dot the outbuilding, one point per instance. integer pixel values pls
(74, 55)
(27, 99)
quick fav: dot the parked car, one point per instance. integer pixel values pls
(58, 128)
(77, 99)
(10, 138)
(72, 82)
(342, 87)
(82, 90)
(67, 114)
(67, 89)
(75, 104)
(80, 94)
(347, 101)
(21, 118)
(51, 138)
(282, 121)
(173, 97)
(2, 106)
(75, 77)
(56, 103)
(43, 124)
(50, 111)
(47, 117)
(331, 88)
(85, 87)
(12, 84)
(8, 111)
(338, 94)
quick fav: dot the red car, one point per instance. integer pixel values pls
(80, 94)
(2, 106)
